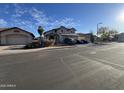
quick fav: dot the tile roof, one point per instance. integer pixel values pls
(60, 28)
(1, 29)
(6, 29)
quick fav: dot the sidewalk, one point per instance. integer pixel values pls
(5, 50)
(15, 49)
(2, 48)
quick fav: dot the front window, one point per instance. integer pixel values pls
(62, 31)
(16, 31)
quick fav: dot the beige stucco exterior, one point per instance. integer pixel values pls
(59, 34)
(84, 37)
(15, 36)
(120, 37)
(64, 31)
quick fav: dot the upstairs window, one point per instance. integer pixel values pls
(16, 31)
(62, 31)
(55, 31)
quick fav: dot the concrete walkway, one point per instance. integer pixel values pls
(2, 48)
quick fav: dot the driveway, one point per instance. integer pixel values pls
(2, 48)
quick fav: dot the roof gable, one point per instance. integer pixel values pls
(61, 27)
(6, 29)
(1, 29)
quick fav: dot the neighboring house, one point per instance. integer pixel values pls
(59, 34)
(15, 36)
(119, 37)
(82, 36)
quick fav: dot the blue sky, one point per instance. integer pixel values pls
(83, 17)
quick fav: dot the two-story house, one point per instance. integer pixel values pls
(59, 34)
(85, 36)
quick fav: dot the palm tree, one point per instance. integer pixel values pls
(40, 31)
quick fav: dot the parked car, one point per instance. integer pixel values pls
(32, 45)
(84, 42)
(69, 41)
(81, 42)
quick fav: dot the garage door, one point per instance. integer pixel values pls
(16, 39)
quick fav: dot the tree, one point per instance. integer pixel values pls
(40, 30)
(113, 32)
(91, 37)
(103, 33)
(106, 34)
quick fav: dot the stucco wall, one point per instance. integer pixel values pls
(11, 32)
(64, 31)
(68, 36)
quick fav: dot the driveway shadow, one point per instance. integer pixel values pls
(15, 47)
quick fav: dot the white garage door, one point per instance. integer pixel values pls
(16, 39)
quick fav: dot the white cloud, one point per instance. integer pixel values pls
(19, 10)
(48, 22)
(37, 17)
(67, 22)
(3, 23)
(4, 9)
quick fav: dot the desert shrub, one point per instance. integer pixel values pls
(48, 43)
(32, 45)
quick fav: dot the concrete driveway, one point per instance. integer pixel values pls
(2, 48)
(11, 47)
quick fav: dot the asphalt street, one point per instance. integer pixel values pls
(76, 68)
